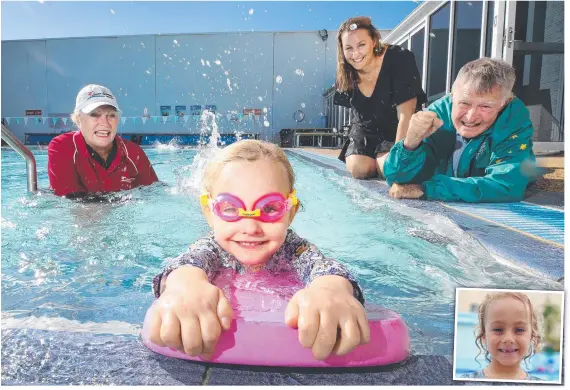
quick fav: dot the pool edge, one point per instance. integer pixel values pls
(523, 254)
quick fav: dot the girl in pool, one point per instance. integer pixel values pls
(249, 203)
(508, 332)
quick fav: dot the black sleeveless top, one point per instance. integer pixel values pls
(398, 82)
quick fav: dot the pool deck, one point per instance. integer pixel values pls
(544, 198)
(68, 358)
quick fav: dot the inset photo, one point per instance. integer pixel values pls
(508, 335)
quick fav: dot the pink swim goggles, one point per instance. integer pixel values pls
(269, 208)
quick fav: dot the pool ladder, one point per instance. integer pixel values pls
(23, 151)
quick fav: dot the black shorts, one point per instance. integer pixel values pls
(364, 145)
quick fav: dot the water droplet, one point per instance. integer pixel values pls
(260, 98)
(278, 79)
(266, 123)
(218, 62)
(299, 72)
(148, 71)
(175, 42)
(112, 11)
(303, 105)
(164, 54)
(251, 11)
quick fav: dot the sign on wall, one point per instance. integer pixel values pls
(180, 110)
(211, 107)
(254, 111)
(165, 110)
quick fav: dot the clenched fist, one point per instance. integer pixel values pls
(422, 125)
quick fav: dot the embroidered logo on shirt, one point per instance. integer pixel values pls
(127, 179)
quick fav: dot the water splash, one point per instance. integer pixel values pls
(172, 145)
(206, 152)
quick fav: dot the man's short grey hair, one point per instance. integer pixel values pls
(484, 74)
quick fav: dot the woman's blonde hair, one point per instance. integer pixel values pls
(535, 323)
(346, 75)
(246, 150)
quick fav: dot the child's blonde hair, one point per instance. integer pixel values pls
(535, 336)
(246, 150)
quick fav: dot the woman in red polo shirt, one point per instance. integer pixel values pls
(95, 159)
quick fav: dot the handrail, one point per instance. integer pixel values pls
(23, 151)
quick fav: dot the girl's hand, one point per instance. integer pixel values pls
(328, 317)
(190, 314)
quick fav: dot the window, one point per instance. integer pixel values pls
(466, 34)
(490, 23)
(437, 53)
(417, 48)
(404, 44)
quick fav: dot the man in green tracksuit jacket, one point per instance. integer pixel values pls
(474, 145)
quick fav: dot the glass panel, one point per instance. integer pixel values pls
(490, 22)
(404, 44)
(466, 34)
(437, 53)
(540, 85)
(417, 48)
(540, 21)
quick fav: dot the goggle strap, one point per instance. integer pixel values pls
(204, 199)
(293, 197)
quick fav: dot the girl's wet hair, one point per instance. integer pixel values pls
(535, 323)
(346, 75)
(246, 150)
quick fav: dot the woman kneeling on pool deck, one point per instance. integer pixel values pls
(382, 85)
(249, 203)
(95, 159)
(508, 332)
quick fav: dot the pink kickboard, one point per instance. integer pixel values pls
(258, 334)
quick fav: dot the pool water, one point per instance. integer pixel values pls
(91, 264)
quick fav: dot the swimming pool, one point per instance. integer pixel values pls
(88, 266)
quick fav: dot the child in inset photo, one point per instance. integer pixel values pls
(508, 335)
(508, 332)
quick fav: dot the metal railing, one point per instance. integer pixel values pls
(28, 156)
(337, 117)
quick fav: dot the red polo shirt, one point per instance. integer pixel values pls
(71, 169)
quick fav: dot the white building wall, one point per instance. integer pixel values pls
(231, 71)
